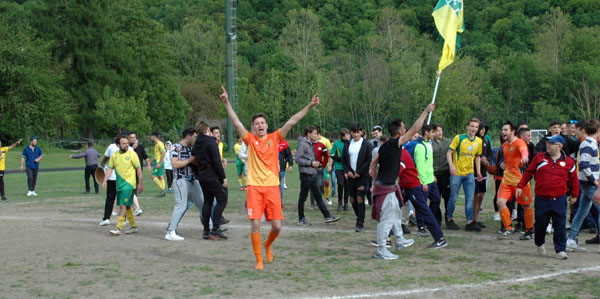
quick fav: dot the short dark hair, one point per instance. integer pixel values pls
(318, 129)
(132, 132)
(435, 126)
(155, 134)
(522, 123)
(394, 127)
(426, 128)
(121, 136)
(384, 138)
(257, 115)
(510, 124)
(215, 128)
(580, 124)
(343, 132)
(356, 127)
(522, 130)
(89, 143)
(591, 126)
(554, 122)
(187, 132)
(309, 129)
(202, 127)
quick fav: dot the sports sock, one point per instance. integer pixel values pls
(120, 222)
(129, 214)
(268, 242)
(157, 182)
(505, 216)
(528, 219)
(327, 191)
(162, 183)
(255, 237)
(240, 182)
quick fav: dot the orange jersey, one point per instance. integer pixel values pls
(513, 154)
(263, 159)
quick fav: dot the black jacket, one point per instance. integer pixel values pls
(208, 159)
(285, 156)
(364, 158)
(571, 148)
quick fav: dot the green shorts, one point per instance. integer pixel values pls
(158, 172)
(240, 168)
(125, 197)
(326, 175)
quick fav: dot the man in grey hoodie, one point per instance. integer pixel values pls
(308, 167)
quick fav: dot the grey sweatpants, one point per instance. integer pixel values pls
(390, 218)
(185, 191)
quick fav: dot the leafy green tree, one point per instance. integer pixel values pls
(117, 112)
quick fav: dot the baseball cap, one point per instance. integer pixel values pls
(378, 127)
(556, 139)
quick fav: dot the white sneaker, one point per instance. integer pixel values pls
(497, 216)
(115, 232)
(284, 186)
(115, 213)
(33, 193)
(573, 246)
(104, 222)
(514, 214)
(541, 250)
(567, 225)
(172, 236)
(137, 212)
(29, 193)
(561, 255)
(549, 229)
(329, 202)
(403, 243)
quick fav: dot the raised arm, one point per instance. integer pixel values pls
(16, 143)
(239, 127)
(416, 126)
(299, 115)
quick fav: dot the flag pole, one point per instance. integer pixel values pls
(437, 84)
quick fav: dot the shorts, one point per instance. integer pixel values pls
(240, 168)
(326, 175)
(481, 187)
(341, 179)
(264, 200)
(508, 192)
(125, 197)
(355, 184)
(158, 172)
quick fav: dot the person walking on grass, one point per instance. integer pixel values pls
(263, 195)
(91, 156)
(158, 165)
(342, 183)
(423, 158)
(126, 164)
(240, 164)
(310, 168)
(186, 184)
(552, 170)
(3, 151)
(286, 161)
(32, 155)
(441, 169)
(168, 165)
(111, 184)
(142, 156)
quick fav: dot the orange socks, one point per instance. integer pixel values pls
(255, 237)
(505, 216)
(528, 219)
(268, 243)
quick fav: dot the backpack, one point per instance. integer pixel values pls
(410, 147)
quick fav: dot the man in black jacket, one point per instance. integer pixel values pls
(554, 129)
(356, 159)
(212, 179)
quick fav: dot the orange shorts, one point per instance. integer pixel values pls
(508, 193)
(264, 199)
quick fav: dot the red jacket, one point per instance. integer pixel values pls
(321, 153)
(408, 175)
(551, 177)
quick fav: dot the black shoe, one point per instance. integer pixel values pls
(405, 229)
(518, 227)
(223, 229)
(594, 240)
(422, 232)
(97, 191)
(359, 228)
(218, 235)
(388, 243)
(224, 220)
(450, 225)
(207, 236)
(331, 219)
(593, 230)
(472, 227)
(346, 208)
(438, 244)
(412, 221)
(303, 221)
(527, 236)
(163, 193)
(340, 208)
(4, 198)
(480, 224)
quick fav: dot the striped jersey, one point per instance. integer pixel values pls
(589, 167)
(182, 153)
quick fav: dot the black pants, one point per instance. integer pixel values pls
(169, 173)
(310, 183)
(31, 178)
(90, 170)
(2, 184)
(319, 179)
(213, 189)
(443, 183)
(111, 194)
(342, 184)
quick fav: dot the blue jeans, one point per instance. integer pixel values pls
(281, 180)
(585, 204)
(468, 183)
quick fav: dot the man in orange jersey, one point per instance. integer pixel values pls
(515, 155)
(263, 173)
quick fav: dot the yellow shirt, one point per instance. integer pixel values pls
(3, 151)
(125, 165)
(221, 149)
(463, 156)
(159, 148)
(326, 142)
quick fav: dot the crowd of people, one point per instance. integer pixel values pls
(402, 175)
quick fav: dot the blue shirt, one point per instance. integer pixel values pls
(30, 155)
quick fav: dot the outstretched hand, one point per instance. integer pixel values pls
(224, 96)
(430, 108)
(315, 100)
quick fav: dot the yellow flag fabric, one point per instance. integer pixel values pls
(448, 16)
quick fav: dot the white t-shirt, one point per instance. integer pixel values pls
(167, 161)
(353, 150)
(112, 148)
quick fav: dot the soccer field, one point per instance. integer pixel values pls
(53, 247)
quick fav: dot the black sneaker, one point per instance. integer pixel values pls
(451, 225)
(4, 198)
(422, 232)
(163, 193)
(412, 221)
(346, 208)
(331, 219)
(224, 220)
(405, 229)
(388, 243)
(594, 240)
(472, 227)
(527, 236)
(218, 235)
(223, 229)
(207, 236)
(303, 221)
(518, 227)
(438, 244)
(340, 208)
(359, 228)
(480, 224)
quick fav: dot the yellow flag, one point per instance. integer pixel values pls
(448, 16)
